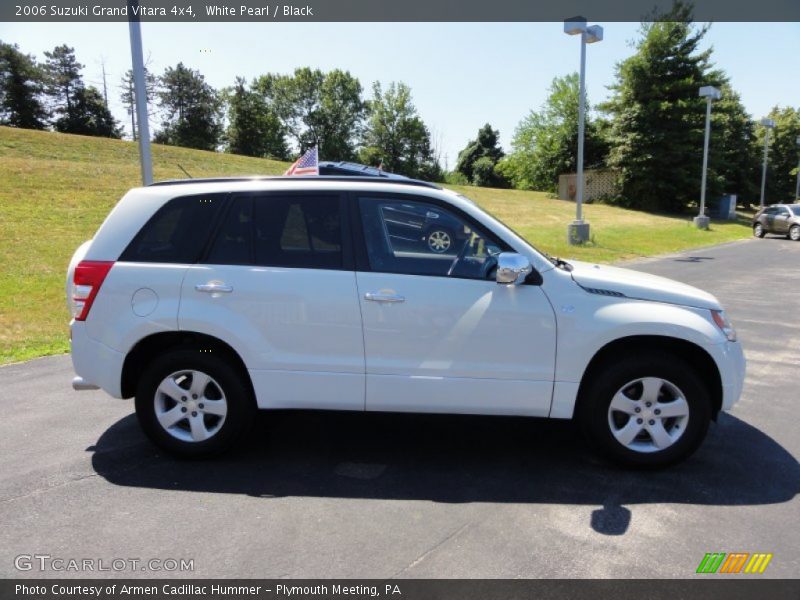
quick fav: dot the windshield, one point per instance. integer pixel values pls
(796, 209)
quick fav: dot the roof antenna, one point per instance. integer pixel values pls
(185, 171)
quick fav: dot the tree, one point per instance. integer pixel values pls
(254, 128)
(88, 115)
(128, 96)
(783, 154)
(21, 87)
(486, 149)
(63, 77)
(545, 143)
(395, 135)
(658, 118)
(317, 109)
(191, 109)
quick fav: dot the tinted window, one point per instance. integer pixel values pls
(298, 231)
(234, 242)
(177, 232)
(418, 238)
(796, 210)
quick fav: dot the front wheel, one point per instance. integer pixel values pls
(758, 230)
(193, 404)
(794, 233)
(646, 411)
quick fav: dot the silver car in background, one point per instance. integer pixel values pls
(783, 219)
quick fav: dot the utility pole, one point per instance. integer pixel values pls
(140, 89)
(132, 108)
(105, 86)
(768, 124)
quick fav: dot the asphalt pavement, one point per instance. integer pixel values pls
(359, 495)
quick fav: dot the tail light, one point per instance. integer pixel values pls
(89, 276)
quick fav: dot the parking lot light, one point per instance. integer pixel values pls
(578, 230)
(767, 124)
(709, 93)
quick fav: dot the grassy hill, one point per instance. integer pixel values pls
(56, 190)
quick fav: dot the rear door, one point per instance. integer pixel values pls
(277, 283)
(440, 335)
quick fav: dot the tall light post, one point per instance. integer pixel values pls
(140, 94)
(797, 191)
(578, 230)
(768, 124)
(709, 93)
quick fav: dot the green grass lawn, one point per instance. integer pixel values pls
(56, 190)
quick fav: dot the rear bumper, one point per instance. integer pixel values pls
(96, 365)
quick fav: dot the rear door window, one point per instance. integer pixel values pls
(273, 230)
(303, 231)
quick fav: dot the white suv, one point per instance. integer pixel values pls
(207, 299)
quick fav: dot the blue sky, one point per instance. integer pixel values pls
(461, 74)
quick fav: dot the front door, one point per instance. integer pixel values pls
(440, 335)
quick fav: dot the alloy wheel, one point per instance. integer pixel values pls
(190, 405)
(648, 414)
(439, 241)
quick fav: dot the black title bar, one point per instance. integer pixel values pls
(705, 587)
(265, 11)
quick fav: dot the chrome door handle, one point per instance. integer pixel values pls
(378, 297)
(214, 288)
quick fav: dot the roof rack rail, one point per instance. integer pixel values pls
(414, 182)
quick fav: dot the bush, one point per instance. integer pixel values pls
(456, 178)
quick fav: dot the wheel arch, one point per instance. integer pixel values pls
(148, 348)
(694, 354)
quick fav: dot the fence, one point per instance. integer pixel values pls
(597, 184)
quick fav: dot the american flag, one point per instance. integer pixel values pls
(308, 164)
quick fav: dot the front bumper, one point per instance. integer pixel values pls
(730, 360)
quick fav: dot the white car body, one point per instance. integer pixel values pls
(309, 338)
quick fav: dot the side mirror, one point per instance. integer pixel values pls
(512, 268)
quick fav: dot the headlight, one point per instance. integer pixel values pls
(724, 324)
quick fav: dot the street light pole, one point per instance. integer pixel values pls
(578, 230)
(709, 93)
(768, 124)
(581, 117)
(140, 93)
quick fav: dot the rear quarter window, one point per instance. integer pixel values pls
(177, 232)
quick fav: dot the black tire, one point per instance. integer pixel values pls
(226, 377)
(596, 397)
(759, 230)
(794, 233)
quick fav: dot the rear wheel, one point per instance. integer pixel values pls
(794, 233)
(192, 404)
(758, 230)
(646, 410)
